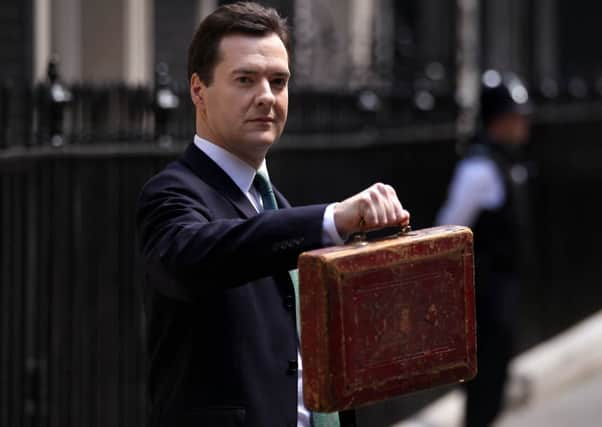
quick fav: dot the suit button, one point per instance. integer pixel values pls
(292, 367)
(289, 302)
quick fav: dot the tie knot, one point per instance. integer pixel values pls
(262, 182)
(264, 187)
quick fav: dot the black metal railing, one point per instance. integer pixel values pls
(117, 113)
(4, 105)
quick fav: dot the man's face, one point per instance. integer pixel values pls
(244, 108)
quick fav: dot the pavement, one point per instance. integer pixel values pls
(556, 384)
(578, 406)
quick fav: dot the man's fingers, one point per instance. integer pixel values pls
(379, 204)
(405, 217)
(376, 207)
(392, 212)
(397, 207)
(379, 207)
(367, 211)
(391, 202)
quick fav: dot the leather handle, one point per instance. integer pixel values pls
(361, 238)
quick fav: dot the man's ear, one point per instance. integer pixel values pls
(197, 90)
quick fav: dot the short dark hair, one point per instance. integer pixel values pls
(248, 18)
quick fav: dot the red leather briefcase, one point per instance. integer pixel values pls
(387, 318)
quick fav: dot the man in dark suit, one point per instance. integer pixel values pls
(218, 240)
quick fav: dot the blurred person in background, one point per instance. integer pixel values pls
(488, 193)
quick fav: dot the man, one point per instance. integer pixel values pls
(489, 193)
(219, 241)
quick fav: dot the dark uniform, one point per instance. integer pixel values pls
(489, 192)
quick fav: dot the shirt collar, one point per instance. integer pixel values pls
(238, 170)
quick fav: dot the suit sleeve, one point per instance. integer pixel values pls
(178, 233)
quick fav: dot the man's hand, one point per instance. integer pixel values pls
(374, 208)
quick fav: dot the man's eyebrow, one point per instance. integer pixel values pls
(244, 71)
(249, 71)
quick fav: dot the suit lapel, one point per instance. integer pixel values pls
(212, 174)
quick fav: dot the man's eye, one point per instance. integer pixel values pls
(280, 83)
(244, 80)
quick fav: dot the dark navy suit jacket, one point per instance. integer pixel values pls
(220, 304)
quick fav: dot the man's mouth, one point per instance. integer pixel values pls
(262, 120)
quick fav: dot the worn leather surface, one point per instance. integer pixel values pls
(387, 318)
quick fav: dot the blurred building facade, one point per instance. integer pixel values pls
(368, 42)
(423, 54)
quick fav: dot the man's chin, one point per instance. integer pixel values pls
(262, 140)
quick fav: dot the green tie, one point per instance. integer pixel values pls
(263, 185)
(268, 199)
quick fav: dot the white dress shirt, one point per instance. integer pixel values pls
(477, 185)
(243, 175)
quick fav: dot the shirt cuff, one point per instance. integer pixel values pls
(330, 235)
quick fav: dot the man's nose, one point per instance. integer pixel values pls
(265, 95)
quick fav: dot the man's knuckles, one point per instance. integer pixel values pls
(375, 207)
(391, 193)
(384, 190)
